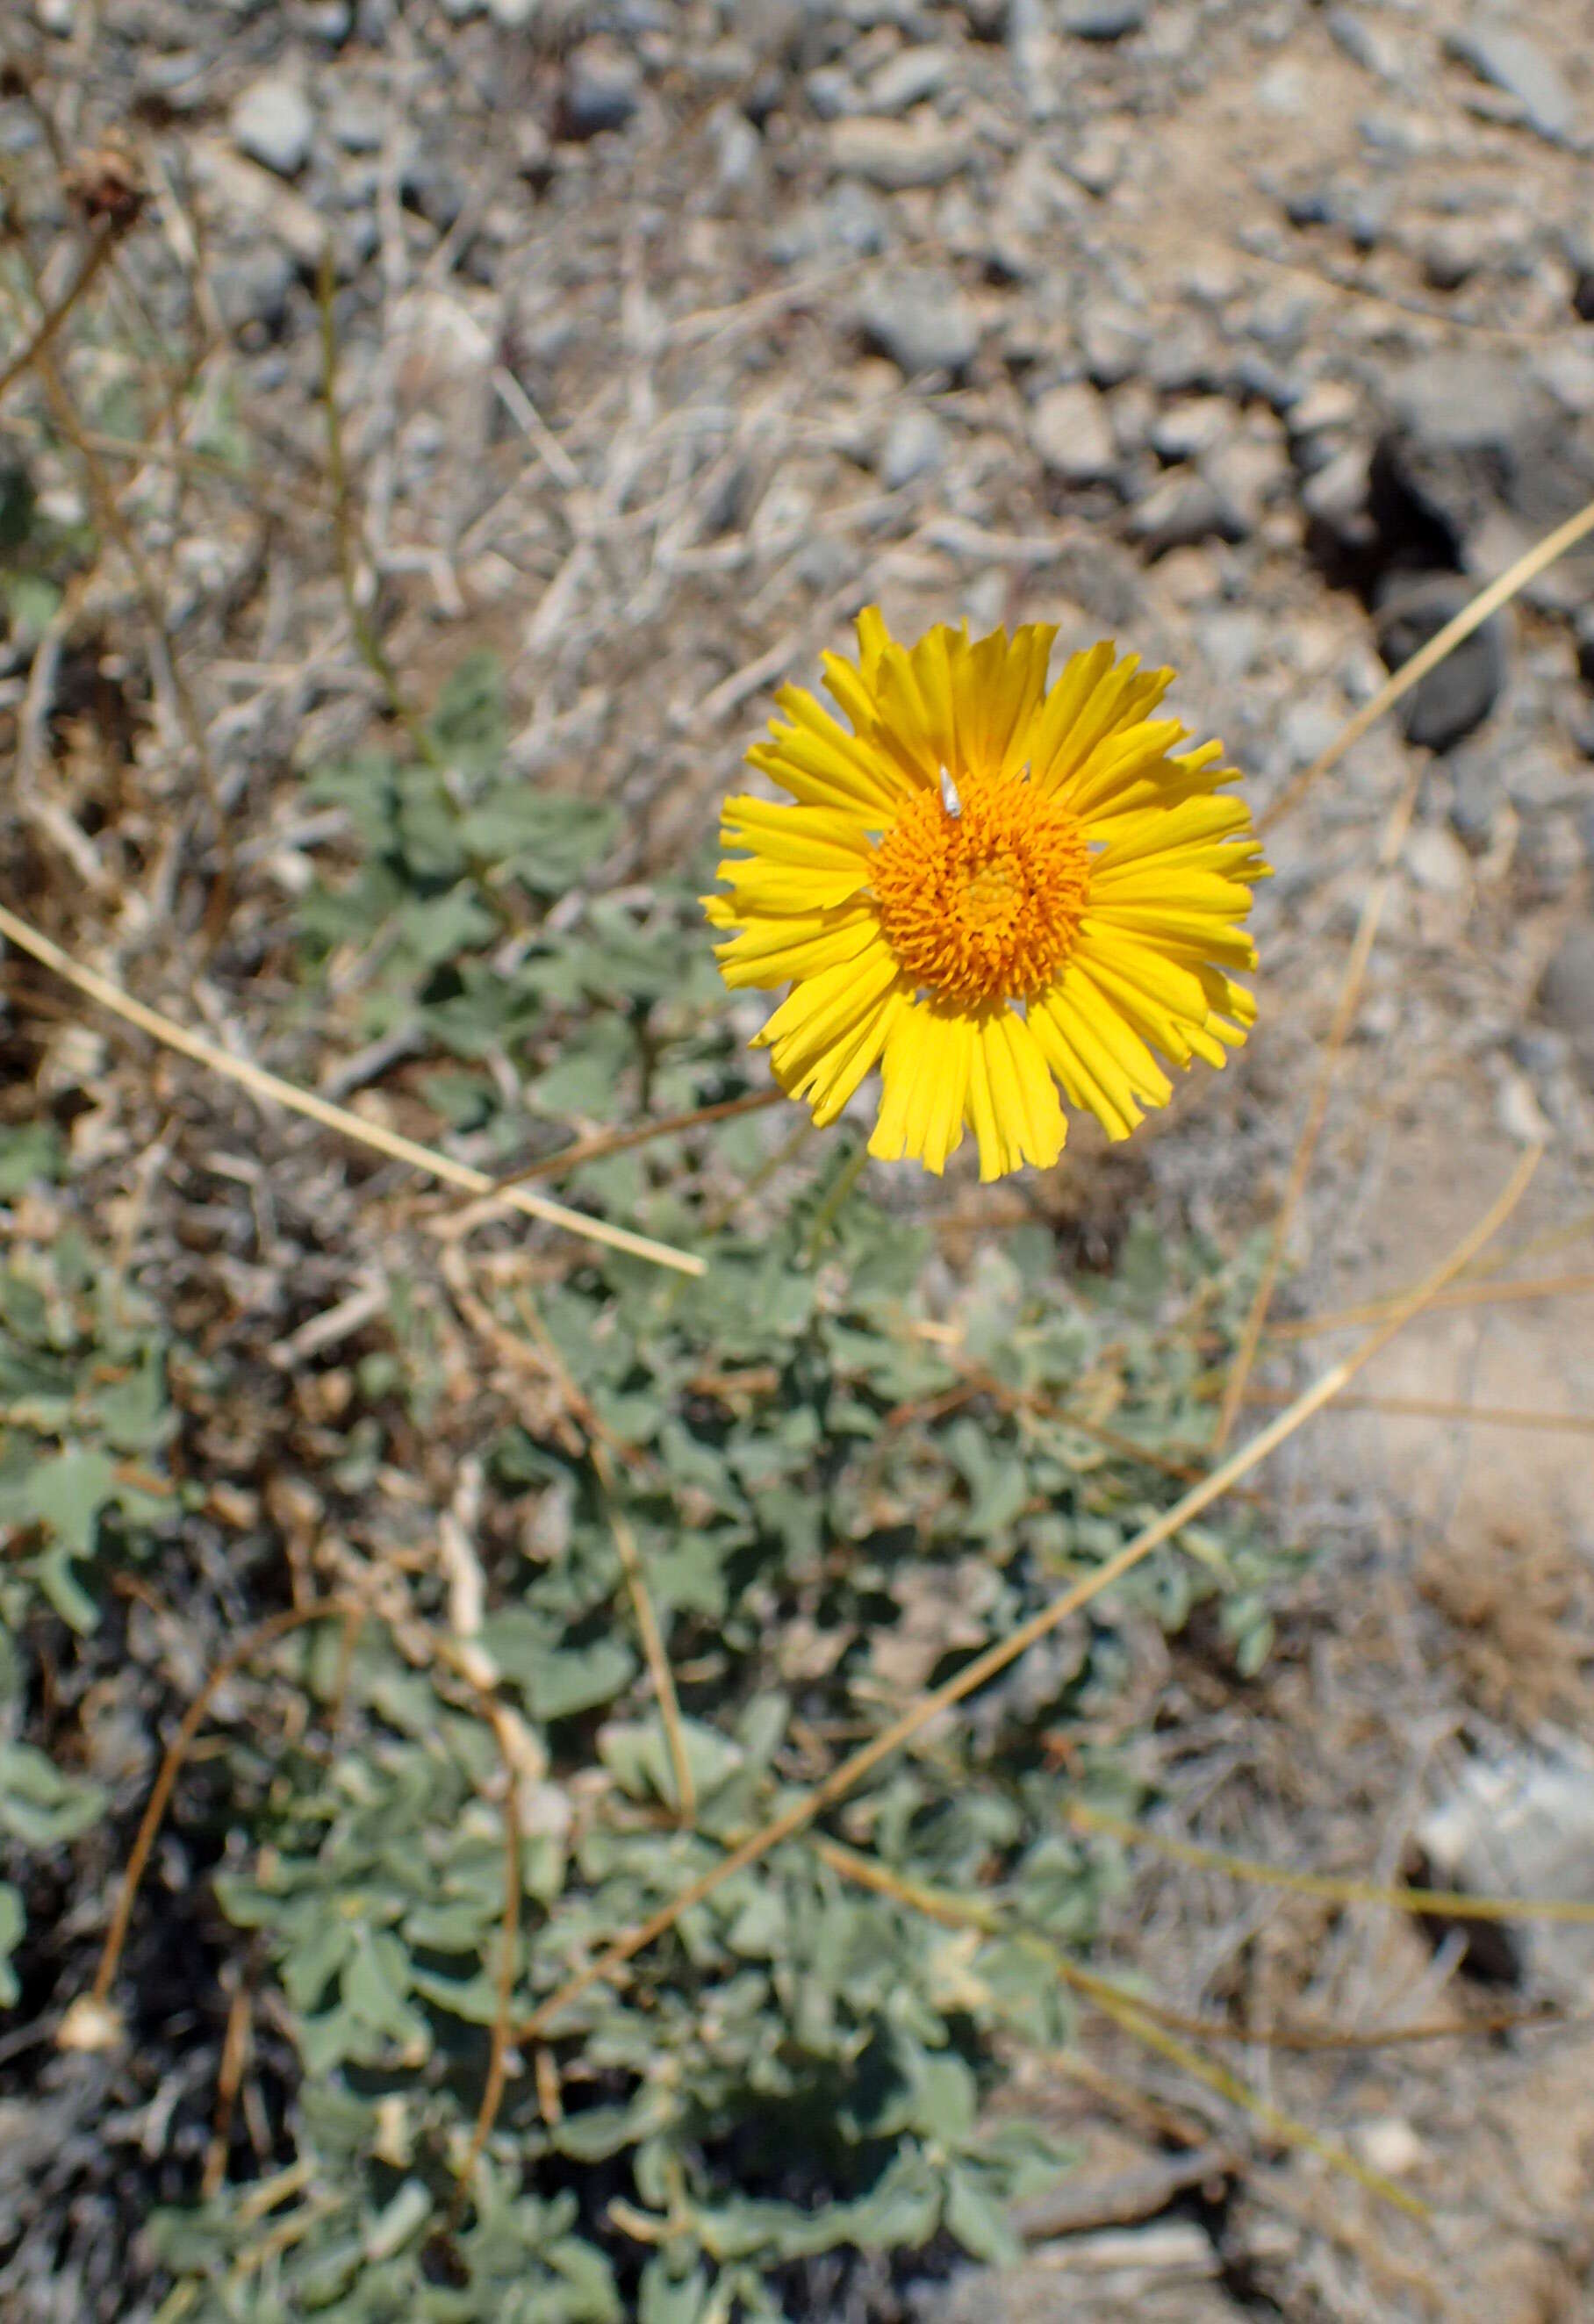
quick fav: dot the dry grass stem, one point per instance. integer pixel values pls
(1430, 1408)
(1510, 583)
(622, 1141)
(1452, 1904)
(100, 250)
(1143, 2021)
(1461, 1294)
(275, 1091)
(651, 1636)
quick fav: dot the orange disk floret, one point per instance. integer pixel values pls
(980, 888)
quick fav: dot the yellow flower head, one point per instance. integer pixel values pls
(988, 888)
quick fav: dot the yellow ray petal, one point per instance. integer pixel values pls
(833, 1078)
(771, 951)
(939, 661)
(1012, 1103)
(925, 1073)
(1100, 1061)
(1025, 685)
(1198, 824)
(812, 837)
(824, 1011)
(1121, 700)
(759, 887)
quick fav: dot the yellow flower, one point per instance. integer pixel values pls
(986, 888)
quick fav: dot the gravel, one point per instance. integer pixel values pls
(1070, 428)
(272, 124)
(914, 447)
(1510, 61)
(1452, 700)
(920, 317)
(897, 154)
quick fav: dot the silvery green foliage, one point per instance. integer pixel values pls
(800, 2068)
(834, 1509)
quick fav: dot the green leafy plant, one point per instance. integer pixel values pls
(842, 1466)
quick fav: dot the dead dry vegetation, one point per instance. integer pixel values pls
(429, 434)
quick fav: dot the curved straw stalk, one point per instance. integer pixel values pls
(275, 1091)
(1450, 1904)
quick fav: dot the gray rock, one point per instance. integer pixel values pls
(174, 80)
(1374, 47)
(1095, 159)
(1071, 430)
(1462, 401)
(914, 447)
(1510, 61)
(908, 78)
(1114, 344)
(1566, 367)
(357, 123)
(1164, 2272)
(1437, 861)
(1183, 509)
(1523, 1826)
(1458, 696)
(830, 92)
(601, 90)
(988, 19)
(1248, 471)
(1471, 436)
(921, 319)
(433, 186)
(331, 21)
(272, 122)
(1181, 358)
(253, 291)
(850, 218)
(896, 154)
(1547, 864)
(1195, 424)
(1475, 799)
(1337, 511)
(737, 149)
(857, 219)
(1454, 251)
(1104, 19)
(1566, 992)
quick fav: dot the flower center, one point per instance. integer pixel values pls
(981, 889)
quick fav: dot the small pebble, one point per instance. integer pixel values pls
(1459, 694)
(1095, 159)
(602, 84)
(1104, 19)
(920, 318)
(914, 447)
(272, 122)
(1510, 61)
(1181, 509)
(1071, 430)
(908, 78)
(1437, 861)
(896, 154)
